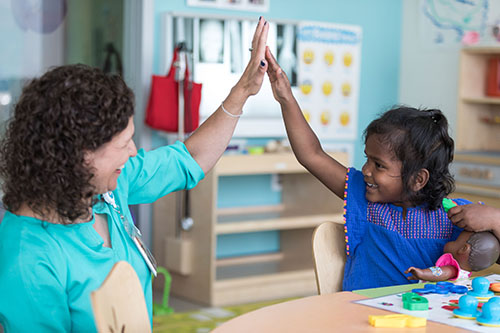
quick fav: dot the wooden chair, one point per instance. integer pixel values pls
(328, 243)
(119, 304)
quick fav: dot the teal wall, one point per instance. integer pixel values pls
(381, 22)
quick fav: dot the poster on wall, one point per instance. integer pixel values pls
(245, 5)
(328, 72)
(452, 22)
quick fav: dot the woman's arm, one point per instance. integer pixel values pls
(305, 144)
(210, 140)
(476, 217)
(448, 272)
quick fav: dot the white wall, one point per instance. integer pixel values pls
(429, 72)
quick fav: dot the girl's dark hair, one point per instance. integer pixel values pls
(420, 140)
(61, 115)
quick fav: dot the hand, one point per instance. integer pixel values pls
(417, 273)
(280, 84)
(475, 217)
(253, 76)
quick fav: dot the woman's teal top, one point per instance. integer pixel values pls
(47, 271)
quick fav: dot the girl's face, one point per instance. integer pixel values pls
(108, 160)
(382, 173)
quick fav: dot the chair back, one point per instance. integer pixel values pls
(119, 304)
(328, 243)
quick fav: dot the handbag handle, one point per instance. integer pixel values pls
(111, 51)
(171, 72)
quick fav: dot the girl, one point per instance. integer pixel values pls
(393, 213)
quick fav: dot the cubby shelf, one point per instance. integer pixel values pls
(476, 165)
(289, 272)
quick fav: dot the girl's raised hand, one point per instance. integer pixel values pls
(253, 76)
(279, 81)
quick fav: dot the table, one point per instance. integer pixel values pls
(323, 313)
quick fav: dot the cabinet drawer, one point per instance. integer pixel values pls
(476, 173)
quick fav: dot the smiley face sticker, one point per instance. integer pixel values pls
(306, 87)
(308, 56)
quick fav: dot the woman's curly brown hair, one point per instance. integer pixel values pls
(68, 111)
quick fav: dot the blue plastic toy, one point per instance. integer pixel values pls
(480, 288)
(491, 313)
(442, 287)
(457, 289)
(467, 307)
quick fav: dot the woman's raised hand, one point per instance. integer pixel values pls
(253, 76)
(280, 84)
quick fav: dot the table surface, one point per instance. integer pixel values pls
(319, 314)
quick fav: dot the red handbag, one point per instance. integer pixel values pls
(162, 112)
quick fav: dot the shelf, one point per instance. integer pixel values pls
(245, 260)
(268, 163)
(481, 157)
(276, 223)
(481, 100)
(482, 50)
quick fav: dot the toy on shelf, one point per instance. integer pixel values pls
(415, 302)
(490, 315)
(480, 289)
(467, 307)
(397, 321)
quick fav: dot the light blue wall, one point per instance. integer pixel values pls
(381, 24)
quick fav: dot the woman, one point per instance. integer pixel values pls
(70, 170)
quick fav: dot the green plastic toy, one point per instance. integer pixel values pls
(448, 204)
(163, 308)
(415, 302)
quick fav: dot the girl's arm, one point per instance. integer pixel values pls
(448, 272)
(305, 144)
(210, 140)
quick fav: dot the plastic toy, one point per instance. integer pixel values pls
(442, 287)
(448, 204)
(467, 307)
(480, 289)
(459, 289)
(491, 313)
(495, 287)
(397, 321)
(163, 308)
(415, 302)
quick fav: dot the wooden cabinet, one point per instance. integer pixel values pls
(197, 273)
(477, 157)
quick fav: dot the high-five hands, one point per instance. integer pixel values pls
(280, 84)
(253, 76)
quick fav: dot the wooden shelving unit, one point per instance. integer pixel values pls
(477, 157)
(305, 204)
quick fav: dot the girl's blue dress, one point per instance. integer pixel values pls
(380, 245)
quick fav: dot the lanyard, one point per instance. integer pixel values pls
(133, 232)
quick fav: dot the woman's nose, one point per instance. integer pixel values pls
(132, 149)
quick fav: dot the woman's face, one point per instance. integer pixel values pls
(382, 173)
(108, 160)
